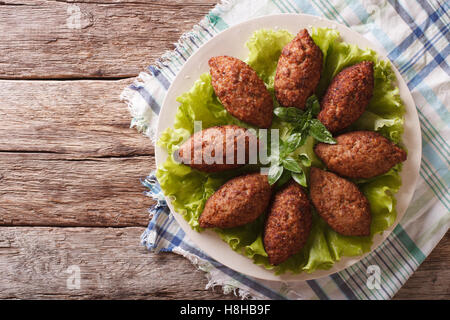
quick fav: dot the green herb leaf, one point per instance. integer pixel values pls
(301, 126)
(320, 133)
(292, 165)
(305, 160)
(282, 151)
(290, 114)
(294, 141)
(274, 174)
(313, 105)
(300, 178)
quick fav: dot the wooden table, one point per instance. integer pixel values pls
(70, 165)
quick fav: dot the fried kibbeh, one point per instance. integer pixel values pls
(239, 201)
(347, 96)
(288, 223)
(340, 203)
(360, 154)
(217, 148)
(243, 94)
(298, 71)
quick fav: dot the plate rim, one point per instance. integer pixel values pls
(415, 161)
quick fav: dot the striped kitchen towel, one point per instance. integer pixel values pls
(415, 35)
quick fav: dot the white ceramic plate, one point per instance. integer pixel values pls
(232, 42)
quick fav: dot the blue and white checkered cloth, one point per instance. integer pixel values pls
(416, 36)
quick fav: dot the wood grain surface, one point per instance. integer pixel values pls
(114, 39)
(68, 119)
(35, 263)
(70, 165)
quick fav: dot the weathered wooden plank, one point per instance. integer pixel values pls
(77, 118)
(56, 143)
(34, 263)
(112, 264)
(90, 39)
(47, 190)
(432, 279)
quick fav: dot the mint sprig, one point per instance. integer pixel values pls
(303, 125)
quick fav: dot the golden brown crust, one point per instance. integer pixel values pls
(241, 91)
(239, 201)
(347, 96)
(298, 71)
(199, 151)
(288, 223)
(340, 203)
(360, 154)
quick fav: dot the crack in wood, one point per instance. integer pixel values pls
(69, 78)
(90, 158)
(2, 3)
(163, 4)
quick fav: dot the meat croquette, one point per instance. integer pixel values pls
(347, 96)
(239, 201)
(242, 93)
(360, 154)
(288, 223)
(218, 148)
(340, 203)
(298, 71)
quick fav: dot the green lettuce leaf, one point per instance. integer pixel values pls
(189, 189)
(264, 50)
